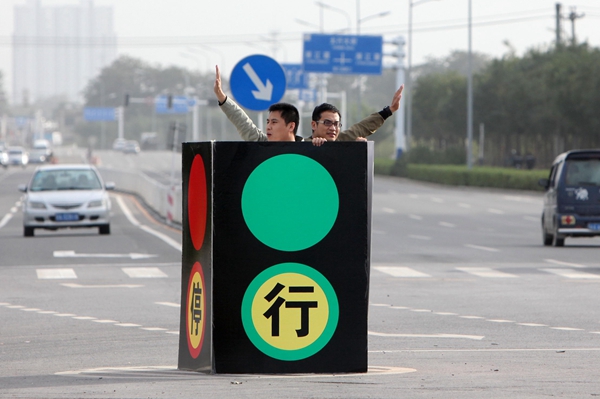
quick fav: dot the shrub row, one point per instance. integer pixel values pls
(460, 175)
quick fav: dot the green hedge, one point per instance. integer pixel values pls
(459, 175)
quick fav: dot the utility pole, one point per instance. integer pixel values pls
(573, 16)
(558, 18)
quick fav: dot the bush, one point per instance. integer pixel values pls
(460, 175)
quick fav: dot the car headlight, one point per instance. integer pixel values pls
(96, 204)
(37, 205)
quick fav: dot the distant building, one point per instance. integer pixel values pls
(58, 49)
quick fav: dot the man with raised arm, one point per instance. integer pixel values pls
(282, 121)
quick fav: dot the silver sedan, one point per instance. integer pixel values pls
(66, 196)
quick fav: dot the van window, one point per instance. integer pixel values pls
(553, 174)
(582, 172)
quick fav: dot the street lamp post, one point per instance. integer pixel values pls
(408, 84)
(360, 20)
(470, 98)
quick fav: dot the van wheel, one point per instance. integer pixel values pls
(557, 241)
(105, 229)
(28, 231)
(546, 238)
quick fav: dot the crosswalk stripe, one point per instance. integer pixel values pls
(399, 271)
(570, 273)
(44, 274)
(143, 272)
(485, 272)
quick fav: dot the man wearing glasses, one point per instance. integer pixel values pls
(327, 125)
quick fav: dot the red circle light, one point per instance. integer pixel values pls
(197, 202)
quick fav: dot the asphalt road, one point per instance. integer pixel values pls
(465, 302)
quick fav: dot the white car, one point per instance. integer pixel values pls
(3, 158)
(66, 196)
(17, 156)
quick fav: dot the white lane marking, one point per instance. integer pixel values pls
(463, 205)
(5, 219)
(372, 304)
(64, 314)
(73, 285)
(15, 306)
(570, 273)
(389, 210)
(152, 370)
(30, 309)
(566, 328)
(173, 332)
(105, 321)
(437, 200)
(154, 329)
(594, 332)
(415, 217)
(13, 209)
(496, 211)
(147, 229)
(84, 318)
(398, 271)
(128, 325)
(421, 310)
(561, 263)
(446, 224)
(471, 317)
(171, 304)
(417, 237)
(460, 336)
(55, 273)
(398, 307)
(482, 248)
(500, 321)
(144, 272)
(73, 254)
(532, 324)
(446, 313)
(47, 312)
(485, 272)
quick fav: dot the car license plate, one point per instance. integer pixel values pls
(594, 226)
(66, 217)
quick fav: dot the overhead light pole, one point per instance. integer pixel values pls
(408, 83)
(470, 98)
(359, 21)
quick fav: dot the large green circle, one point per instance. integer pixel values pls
(290, 202)
(264, 346)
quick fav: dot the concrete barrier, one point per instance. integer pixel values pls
(152, 192)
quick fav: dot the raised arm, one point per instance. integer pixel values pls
(244, 125)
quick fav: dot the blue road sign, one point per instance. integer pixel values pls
(308, 95)
(295, 76)
(342, 54)
(180, 105)
(257, 81)
(99, 114)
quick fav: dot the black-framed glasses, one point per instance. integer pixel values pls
(328, 123)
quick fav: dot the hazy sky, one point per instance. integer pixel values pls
(201, 33)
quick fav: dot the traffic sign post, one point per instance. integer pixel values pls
(265, 289)
(257, 82)
(343, 54)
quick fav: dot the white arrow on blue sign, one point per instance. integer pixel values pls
(257, 82)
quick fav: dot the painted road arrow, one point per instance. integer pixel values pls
(73, 254)
(264, 92)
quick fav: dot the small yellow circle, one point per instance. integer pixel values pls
(290, 311)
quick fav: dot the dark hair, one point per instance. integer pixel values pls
(289, 113)
(316, 115)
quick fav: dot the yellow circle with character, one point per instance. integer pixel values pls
(290, 311)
